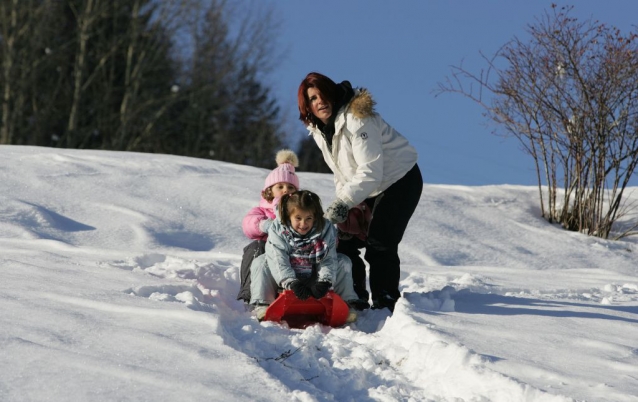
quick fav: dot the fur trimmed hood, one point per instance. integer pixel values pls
(362, 104)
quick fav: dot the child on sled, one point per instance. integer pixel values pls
(301, 256)
(282, 180)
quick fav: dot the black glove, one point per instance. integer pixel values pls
(319, 289)
(301, 290)
(337, 212)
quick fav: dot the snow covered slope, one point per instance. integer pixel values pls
(120, 271)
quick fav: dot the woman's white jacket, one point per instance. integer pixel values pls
(368, 155)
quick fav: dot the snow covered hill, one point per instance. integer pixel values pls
(120, 271)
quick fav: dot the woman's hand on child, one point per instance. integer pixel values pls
(301, 290)
(319, 289)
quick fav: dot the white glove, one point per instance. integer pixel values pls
(337, 212)
(264, 225)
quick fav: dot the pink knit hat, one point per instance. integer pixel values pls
(285, 172)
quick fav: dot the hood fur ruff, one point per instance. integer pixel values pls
(362, 104)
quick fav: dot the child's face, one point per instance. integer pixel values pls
(279, 189)
(301, 221)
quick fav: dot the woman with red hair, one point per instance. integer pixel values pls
(374, 168)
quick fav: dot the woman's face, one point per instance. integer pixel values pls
(300, 220)
(321, 108)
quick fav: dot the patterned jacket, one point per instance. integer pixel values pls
(290, 255)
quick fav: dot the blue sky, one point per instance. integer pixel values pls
(400, 50)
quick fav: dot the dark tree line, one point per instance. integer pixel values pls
(174, 76)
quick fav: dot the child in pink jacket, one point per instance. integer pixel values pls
(282, 180)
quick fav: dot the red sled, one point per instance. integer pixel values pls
(330, 310)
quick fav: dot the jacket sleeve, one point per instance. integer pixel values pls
(338, 185)
(250, 224)
(367, 151)
(278, 257)
(325, 152)
(327, 268)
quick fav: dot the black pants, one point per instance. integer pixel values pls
(393, 210)
(251, 251)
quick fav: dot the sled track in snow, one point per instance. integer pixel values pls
(374, 359)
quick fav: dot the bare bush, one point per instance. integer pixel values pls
(570, 96)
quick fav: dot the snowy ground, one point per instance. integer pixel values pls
(120, 271)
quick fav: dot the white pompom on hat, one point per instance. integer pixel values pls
(287, 161)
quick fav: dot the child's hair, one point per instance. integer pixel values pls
(303, 200)
(267, 194)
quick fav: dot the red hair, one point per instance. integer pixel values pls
(325, 85)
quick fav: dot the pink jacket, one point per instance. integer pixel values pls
(250, 224)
